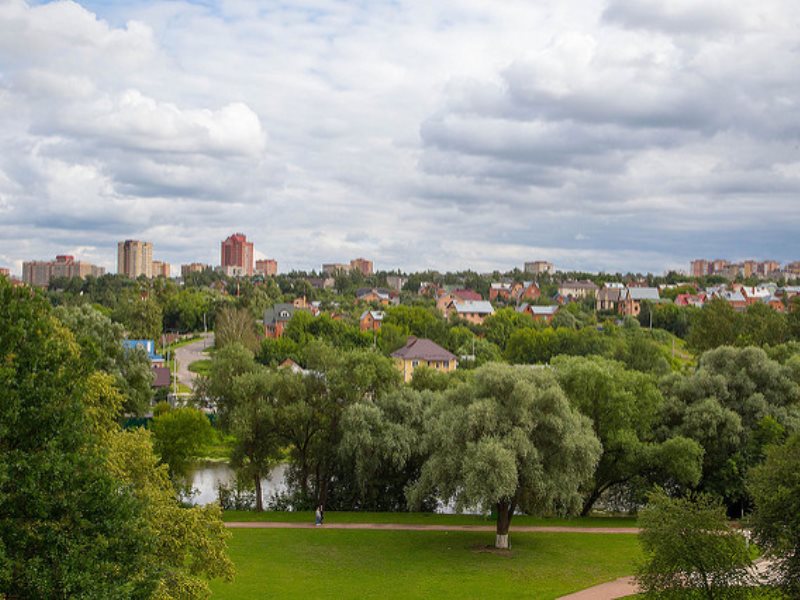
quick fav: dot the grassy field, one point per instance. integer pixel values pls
(422, 518)
(201, 367)
(326, 563)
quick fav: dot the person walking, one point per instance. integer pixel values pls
(318, 516)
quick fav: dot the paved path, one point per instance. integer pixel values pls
(619, 588)
(424, 527)
(190, 353)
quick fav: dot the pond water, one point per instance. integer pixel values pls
(206, 478)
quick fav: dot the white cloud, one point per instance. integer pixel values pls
(451, 134)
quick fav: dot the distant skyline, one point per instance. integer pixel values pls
(622, 135)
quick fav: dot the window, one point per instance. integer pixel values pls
(414, 363)
(446, 364)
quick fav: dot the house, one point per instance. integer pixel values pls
(466, 294)
(377, 295)
(473, 311)
(292, 366)
(539, 313)
(371, 320)
(736, 299)
(697, 300)
(574, 290)
(149, 346)
(421, 351)
(444, 299)
(276, 318)
(499, 291)
(609, 297)
(527, 290)
(632, 298)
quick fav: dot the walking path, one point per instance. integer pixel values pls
(423, 527)
(190, 353)
(619, 588)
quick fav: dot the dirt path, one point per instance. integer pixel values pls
(619, 588)
(422, 527)
(190, 353)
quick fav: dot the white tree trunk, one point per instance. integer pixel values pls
(501, 541)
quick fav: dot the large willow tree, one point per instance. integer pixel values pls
(507, 440)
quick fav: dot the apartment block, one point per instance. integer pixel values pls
(236, 256)
(194, 267)
(39, 273)
(363, 265)
(539, 267)
(267, 267)
(161, 269)
(135, 258)
(335, 268)
(699, 267)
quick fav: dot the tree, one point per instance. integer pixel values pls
(506, 439)
(503, 323)
(793, 318)
(775, 486)
(179, 437)
(141, 316)
(624, 407)
(762, 325)
(690, 550)
(100, 340)
(737, 401)
(253, 424)
(715, 325)
(227, 363)
(80, 514)
(235, 325)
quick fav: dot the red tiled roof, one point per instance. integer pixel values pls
(467, 295)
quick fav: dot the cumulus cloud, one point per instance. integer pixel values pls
(603, 135)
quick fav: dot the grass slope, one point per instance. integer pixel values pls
(422, 518)
(320, 563)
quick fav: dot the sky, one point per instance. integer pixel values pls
(616, 135)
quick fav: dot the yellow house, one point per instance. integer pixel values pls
(419, 351)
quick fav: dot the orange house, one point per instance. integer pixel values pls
(371, 320)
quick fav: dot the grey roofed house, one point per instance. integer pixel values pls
(538, 310)
(279, 312)
(644, 293)
(422, 349)
(481, 307)
(376, 314)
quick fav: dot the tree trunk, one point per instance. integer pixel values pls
(590, 501)
(259, 496)
(504, 511)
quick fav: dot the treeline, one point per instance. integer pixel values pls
(359, 439)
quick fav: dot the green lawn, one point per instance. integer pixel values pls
(327, 563)
(422, 518)
(201, 367)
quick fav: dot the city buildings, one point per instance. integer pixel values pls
(748, 268)
(236, 256)
(332, 269)
(161, 269)
(539, 267)
(267, 267)
(39, 273)
(135, 258)
(194, 267)
(363, 265)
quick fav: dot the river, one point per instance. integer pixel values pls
(206, 478)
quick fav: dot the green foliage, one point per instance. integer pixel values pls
(256, 425)
(425, 378)
(775, 486)
(418, 321)
(226, 364)
(274, 351)
(713, 326)
(141, 316)
(624, 407)
(690, 550)
(500, 326)
(185, 310)
(762, 325)
(235, 326)
(85, 511)
(179, 437)
(100, 341)
(736, 401)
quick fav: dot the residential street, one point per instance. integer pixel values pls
(190, 353)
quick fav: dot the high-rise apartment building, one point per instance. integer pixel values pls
(237, 255)
(538, 267)
(267, 267)
(40, 272)
(161, 269)
(363, 265)
(768, 266)
(699, 267)
(135, 258)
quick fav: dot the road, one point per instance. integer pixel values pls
(190, 353)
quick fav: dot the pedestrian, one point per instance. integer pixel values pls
(318, 516)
